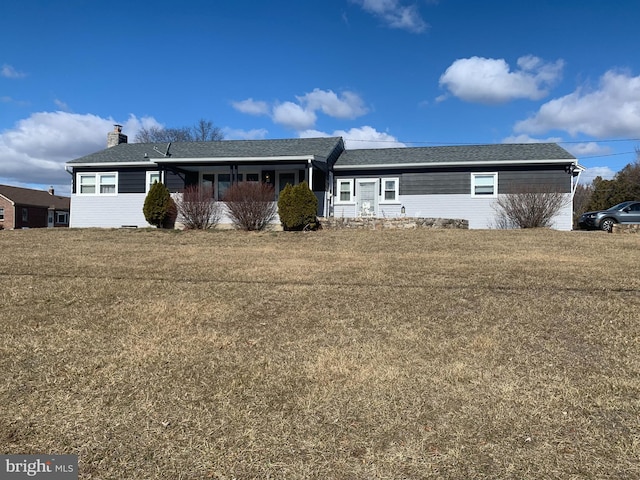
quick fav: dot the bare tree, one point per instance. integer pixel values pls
(197, 209)
(203, 131)
(530, 208)
(206, 131)
(581, 199)
(250, 205)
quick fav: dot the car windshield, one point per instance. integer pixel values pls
(620, 206)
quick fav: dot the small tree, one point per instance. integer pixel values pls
(297, 207)
(532, 208)
(250, 205)
(159, 208)
(197, 209)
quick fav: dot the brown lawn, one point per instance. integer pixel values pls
(347, 355)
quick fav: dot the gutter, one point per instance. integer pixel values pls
(456, 164)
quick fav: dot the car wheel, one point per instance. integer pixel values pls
(607, 224)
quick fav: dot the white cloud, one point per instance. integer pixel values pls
(293, 116)
(8, 71)
(587, 177)
(491, 81)
(358, 138)
(348, 105)
(251, 107)
(528, 139)
(303, 114)
(591, 149)
(612, 110)
(61, 105)
(394, 14)
(239, 134)
(35, 150)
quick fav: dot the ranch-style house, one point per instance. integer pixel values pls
(456, 182)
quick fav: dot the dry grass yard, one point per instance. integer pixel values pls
(328, 355)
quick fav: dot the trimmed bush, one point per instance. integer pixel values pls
(197, 208)
(250, 205)
(159, 208)
(297, 207)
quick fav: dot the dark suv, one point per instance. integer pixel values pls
(625, 212)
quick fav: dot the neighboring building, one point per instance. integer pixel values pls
(462, 182)
(28, 208)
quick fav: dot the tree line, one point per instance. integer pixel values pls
(602, 194)
(202, 131)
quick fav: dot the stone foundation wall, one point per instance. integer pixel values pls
(617, 228)
(370, 223)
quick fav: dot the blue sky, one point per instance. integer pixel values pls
(380, 73)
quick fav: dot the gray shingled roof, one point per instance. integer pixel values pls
(321, 148)
(458, 154)
(34, 198)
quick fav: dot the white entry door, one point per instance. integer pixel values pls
(50, 219)
(366, 198)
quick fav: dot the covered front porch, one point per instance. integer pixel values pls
(219, 176)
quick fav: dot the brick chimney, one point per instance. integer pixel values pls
(116, 137)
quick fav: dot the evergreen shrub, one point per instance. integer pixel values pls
(297, 207)
(159, 208)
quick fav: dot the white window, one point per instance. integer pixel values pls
(152, 177)
(1, 214)
(345, 191)
(390, 190)
(107, 183)
(62, 218)
(87, 184)
(484, 184)
(98, 183)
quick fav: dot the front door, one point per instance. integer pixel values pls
(284, 178)
(50, 219)
(366, 198)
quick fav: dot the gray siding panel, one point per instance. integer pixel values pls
(435, 183)
(175, 182)
(517, 180)
(132, 181)
(440, 181)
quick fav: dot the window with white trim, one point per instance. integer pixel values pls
(152, 177)
(97, 183)
(389, 190)
(1, 214)
(62, 218)
(484, 184)
(107, 183)
(344, 191)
